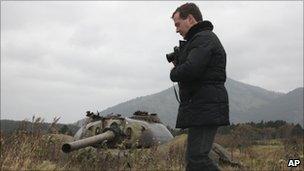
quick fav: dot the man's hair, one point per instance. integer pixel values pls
(189, 8)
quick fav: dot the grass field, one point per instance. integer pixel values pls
(35, 150)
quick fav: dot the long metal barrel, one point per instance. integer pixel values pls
(68, 147)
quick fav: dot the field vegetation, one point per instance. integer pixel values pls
(257, 146)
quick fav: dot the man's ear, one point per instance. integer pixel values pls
(192, 19)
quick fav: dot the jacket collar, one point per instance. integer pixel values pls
(200, 26)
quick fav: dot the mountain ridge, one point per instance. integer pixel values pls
(243, 98)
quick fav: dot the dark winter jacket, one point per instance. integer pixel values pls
(201, 74)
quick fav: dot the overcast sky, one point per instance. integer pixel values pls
(64, 58)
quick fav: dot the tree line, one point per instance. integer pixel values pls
(256, 130)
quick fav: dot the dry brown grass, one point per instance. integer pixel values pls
(268, 157)
(35, 151)
(24, 150)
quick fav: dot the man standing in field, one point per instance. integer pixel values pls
(200, 70)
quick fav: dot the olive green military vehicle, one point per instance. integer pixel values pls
(142, 130)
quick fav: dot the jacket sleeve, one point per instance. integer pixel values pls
(195, 63)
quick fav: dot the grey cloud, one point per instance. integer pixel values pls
(20, 15)
(90, 36)
(68, 57)
(271, 38)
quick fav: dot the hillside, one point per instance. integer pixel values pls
(242, 98)
(288, 107)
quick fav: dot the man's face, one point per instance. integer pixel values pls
(182, 26)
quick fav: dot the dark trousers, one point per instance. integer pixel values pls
(200, 140)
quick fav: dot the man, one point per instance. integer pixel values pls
(200, 71)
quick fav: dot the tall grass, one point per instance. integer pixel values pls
(30, 149)
(35, 150)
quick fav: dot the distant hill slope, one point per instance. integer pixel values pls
(288, 107)
(242, 98)
(162, 103)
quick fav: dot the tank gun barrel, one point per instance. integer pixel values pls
(68, 147)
